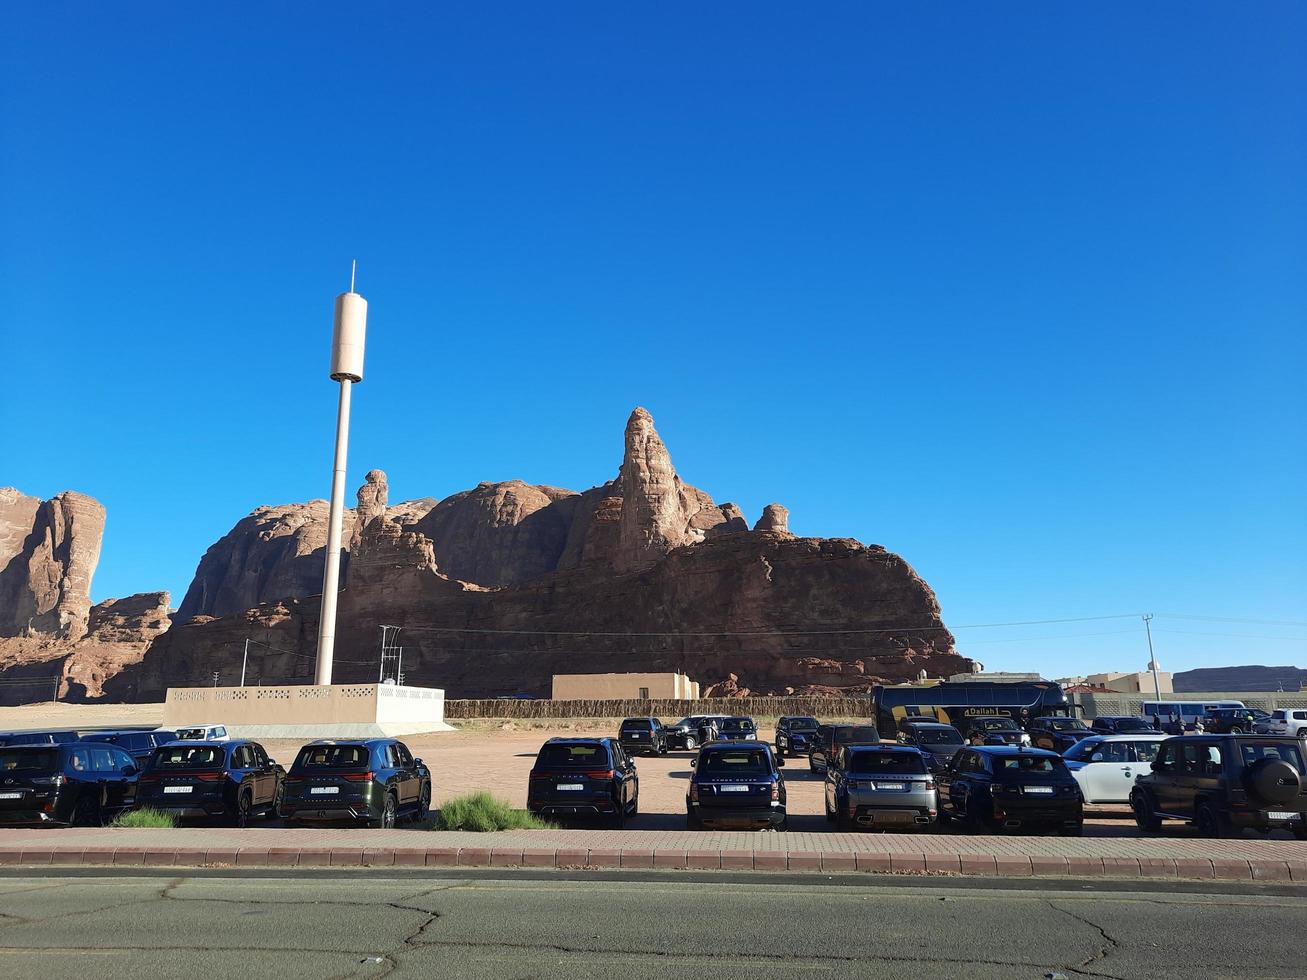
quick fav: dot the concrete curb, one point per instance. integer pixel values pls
(825, 862)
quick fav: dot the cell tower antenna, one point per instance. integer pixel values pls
(353, 267)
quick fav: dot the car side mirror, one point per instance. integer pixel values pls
(1096, 757)
(130, 770)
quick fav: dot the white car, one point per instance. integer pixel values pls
(202, 733)
(1105, 766)
(1287, 721)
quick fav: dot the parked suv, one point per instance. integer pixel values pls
(645, 735)
(737, 727)
(78, 783)
(830, 738)
(376, 780)
(939, 742)
(230, 781)
(995, 730)
(1225, 783)
(39, 738)
(1287, 721)
(1235, 721)
(688, 732)
(736, 784)
(1122, 725)
(138, 744)
(1008, 787)
(1057, 733)
(584, 777)
(1106, 766)
(794, 734)
(881, 787)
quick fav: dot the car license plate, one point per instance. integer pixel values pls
(1270, 815)
(735, 789)
(898, 786)
(1038, 790)
(317, 790)
(570, 786)
(11, 796)
(176, 789)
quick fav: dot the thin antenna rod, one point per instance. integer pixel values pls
(353, 267)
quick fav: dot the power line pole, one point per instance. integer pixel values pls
(245, 660)
(1152, 660)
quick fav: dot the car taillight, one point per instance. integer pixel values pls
(775, 791)
(359, 777)
(930, 784)
(293, 780)
(208, 777)
(601, 774)
(55, 780)
(540, 775)
(694, 792)
(148, 778)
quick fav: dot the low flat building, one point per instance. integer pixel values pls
(620, 687)
(1140, 682)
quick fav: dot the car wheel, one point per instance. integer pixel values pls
(692, 821)
(1302, 733)
(87, 813)
(274, 810)
(424, 804)
(842, 821)
(1208, 822)
(386, 820)
(241, 815)
(784, 824)
(691, 743)
(1145, 818)
(830, 814)
(1300, 832)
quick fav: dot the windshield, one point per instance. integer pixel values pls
(1065, 724)
(189, 757)
(333, 757)
(1133, 725)
(938, 736)
(802, 724)
(853, 734)
(746, 762)
(997, 724)
(574, 755)
(897, 763)
(738, 725)
(14, 759)
(1027, 763)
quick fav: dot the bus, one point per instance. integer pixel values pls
(1186, 711)
(955, 702)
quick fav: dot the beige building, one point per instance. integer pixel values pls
(1136, 683)
(613, 687)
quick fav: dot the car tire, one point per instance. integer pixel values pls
(240, 816)
(784, 824)
(274, 810)
(842, 821)
(691, 743)
(424, 804)
(1208, 822)
(1302, 733)
(692, 821)
(1075, 830)
(1300, 832)
(1145, 817)
(618, 819)
(87, 813)
(386, 819)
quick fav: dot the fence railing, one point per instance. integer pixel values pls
(665, 708)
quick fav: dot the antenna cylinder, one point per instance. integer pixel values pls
(348, 337)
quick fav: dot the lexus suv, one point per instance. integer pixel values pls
(643, 735)
(881, 787)
(830, 738)
(584, 777)
(1224, 784)
(369, 780)
(229, 781)
(736, 785)
(78, 783)
(1007, 787)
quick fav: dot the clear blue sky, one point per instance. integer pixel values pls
(1015, 290)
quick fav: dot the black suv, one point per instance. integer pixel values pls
(1234, 721)
(937, 741)
(1006, 787)
(229, 781)
(1121, 725)
(645, 735)
(1224, 784)
(78, 783)
(1057, 733)
(794, 734)
(736, 784)
(376, 780)
(688, 732)
(830, 738)
(995, 730)
(737, 728)
(41, 738)
(138, 744)
(584, 777)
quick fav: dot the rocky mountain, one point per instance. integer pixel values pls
(1253, 678)
(501, 586)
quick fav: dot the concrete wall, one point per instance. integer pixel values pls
(614, 687)
(1132, 704)
(342, 710)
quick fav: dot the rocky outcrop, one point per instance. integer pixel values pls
(775, 519)
(45, 584)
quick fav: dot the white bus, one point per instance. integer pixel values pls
(1187, 711)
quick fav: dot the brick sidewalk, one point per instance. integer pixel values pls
(1243, 859)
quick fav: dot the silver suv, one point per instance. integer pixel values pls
(881, 786)
(1287, 721)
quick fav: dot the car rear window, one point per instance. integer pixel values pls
(1285, 751)
(898, 763)
(189, 757)
(742, 762)
(578, 754)
(12, 760)
(1026, 763)
(333, 757)
(637, 724)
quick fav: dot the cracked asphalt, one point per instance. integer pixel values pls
(366, 925)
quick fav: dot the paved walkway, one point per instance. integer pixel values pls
(1243, 859)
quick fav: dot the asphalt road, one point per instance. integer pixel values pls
(219, 925)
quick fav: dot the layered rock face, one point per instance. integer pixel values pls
(45, 583)
(501, 586)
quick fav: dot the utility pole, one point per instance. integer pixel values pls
(1152, 660)
(245, 660)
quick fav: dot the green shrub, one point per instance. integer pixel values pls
(145, 817)
(482, 813)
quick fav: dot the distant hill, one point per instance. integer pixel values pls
(1255, 678)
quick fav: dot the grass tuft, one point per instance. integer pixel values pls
(483, 814)
(145, 817)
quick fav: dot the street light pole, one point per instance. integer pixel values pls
(1152, 660)
(244, 660)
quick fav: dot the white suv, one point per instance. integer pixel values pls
(1287, 721)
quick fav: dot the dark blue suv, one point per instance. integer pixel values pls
(228, 780)
(994, 788)
(78, 783)
(138, 744)
(372, 780)
(736, 784)
(584, 777)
